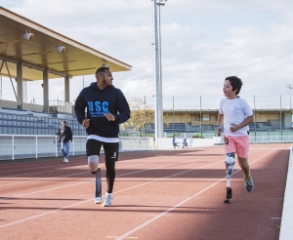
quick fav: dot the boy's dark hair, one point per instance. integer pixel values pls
(64, 121)
(102, 69)
(236, 83)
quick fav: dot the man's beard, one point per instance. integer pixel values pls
(104, 81)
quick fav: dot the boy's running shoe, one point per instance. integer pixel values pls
(249, 184)
(107, 200)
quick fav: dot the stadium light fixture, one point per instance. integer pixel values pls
(60, 49)
(28, 36)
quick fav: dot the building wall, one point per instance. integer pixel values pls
(265, 117)
(287, 120)
(211, 116)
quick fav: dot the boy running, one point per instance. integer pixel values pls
(237, 115)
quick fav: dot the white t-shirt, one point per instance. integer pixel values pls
(235, 111)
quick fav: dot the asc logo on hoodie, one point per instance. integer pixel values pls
(98, 108)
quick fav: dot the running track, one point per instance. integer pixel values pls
(176, 194)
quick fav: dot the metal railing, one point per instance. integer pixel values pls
(37, 146)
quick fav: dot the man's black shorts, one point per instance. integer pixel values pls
(93, 147)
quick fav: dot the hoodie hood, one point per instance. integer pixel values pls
(94, 86)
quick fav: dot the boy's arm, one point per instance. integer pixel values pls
(220, 122)
(247, 121)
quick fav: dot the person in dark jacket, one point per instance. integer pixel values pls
(65, 137)
(100, 108)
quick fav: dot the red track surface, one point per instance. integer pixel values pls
(175, 194)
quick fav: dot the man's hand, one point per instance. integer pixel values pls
(109, 117)
(86, 123)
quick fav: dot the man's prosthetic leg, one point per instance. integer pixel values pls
(93, 162)
(229, 163)
(98, 183)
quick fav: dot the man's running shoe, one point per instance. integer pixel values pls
(65, 160)
(98, 200)
(107, 200)
(249, 184)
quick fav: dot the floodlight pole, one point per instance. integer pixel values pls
(158, 105)
(160, 4)
(173, 118)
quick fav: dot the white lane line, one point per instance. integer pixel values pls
(126, 174)
(123, 190)
(168, 210)
(31, 174)
(52, 164)
(82, 158)
(76, 174)
(124, 165)
(43, 179)
(48, 163)
(181, 203)
(89, 181)
(44, 164)
(43, 214)
(44, 190)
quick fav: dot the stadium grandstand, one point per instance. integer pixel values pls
(31, 52)
(20, 121)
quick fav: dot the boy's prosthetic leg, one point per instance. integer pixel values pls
(229, 163)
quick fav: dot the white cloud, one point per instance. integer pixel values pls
(202, 43)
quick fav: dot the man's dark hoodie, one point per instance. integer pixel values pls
(98, 102)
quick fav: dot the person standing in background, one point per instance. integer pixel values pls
(65, 138)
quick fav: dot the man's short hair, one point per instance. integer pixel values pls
(64, 121)
(102, 69)
(236, 83)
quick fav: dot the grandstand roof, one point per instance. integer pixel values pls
(41, 53)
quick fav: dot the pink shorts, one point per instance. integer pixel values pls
(240, 145)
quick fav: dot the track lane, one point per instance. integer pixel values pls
(150, 199)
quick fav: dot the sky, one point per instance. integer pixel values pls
(203, 42)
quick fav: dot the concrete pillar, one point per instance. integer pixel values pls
(20, 85)
(66, 89)
(45, 91)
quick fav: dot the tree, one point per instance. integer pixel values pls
(141, 115)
